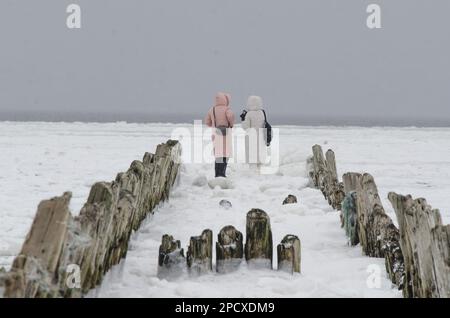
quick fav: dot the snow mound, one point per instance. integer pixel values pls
(200, 181)
(223, 183)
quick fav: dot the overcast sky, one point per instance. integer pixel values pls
(167, 58)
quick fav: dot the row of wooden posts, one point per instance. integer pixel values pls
(417, 253)
(98, 237)
(230, 250)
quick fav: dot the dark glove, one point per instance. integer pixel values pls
(244, 113)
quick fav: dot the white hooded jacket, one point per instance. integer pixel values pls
(256, 150)
(255, 116)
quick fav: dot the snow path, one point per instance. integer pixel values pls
(329, 267)
(41, 160)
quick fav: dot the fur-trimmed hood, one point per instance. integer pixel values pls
(223, 99)
(254, 103)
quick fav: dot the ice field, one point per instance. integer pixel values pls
(42, 160)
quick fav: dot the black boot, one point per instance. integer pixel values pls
(217, 168)
(224, 167)
(221, 167)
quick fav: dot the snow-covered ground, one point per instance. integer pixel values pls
(41, 160)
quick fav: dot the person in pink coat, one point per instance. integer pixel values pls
(221, 117)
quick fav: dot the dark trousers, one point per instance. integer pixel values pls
(221, 167)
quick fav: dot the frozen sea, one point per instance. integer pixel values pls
(39, 160)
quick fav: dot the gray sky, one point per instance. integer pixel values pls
(165, 59)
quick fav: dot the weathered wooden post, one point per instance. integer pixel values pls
(225, 204)
(324, 176)
(290, 199)
(289, 254)
(171, 260)
(334, 188)
(199, 254)
(330, 161)
(32, 271)
(352, 181)
(319, 167)
(425, 244)
(377, 233)
(229, 249)
(350, 218)
(13, 284)
(258, 244)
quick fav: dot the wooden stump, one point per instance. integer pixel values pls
(199, 254)
(14, 284)
(290, 199)
(225, 204)
(352, 181)
(330, 161)
(289, 254)
(377, 234)
(333, 188)
(229, 249)
(337, 195)
(324, 176)
(319, 167)
(350, 218)
(171, 260)
(258, 245)
(45, 241)
(32, 271)
(425, 244)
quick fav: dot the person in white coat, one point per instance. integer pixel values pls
(254, 123)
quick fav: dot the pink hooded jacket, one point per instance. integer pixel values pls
(224, 116)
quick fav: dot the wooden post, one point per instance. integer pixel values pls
(229, 249)
(258, 245)
(377, 234)
(290, 199)
(425, 243)
(350, 218)
(352, 181)
(330, 161)
(225, 204)
(289, 254)
(199, 254)
(171, 260)
(324, 176)
(38, 260)
(46, 240)
(333, 188)
(14, 284)
(319, 167)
